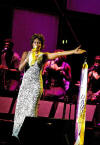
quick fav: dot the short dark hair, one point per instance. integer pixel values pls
(40, 37)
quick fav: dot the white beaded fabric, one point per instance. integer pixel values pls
(29, 94)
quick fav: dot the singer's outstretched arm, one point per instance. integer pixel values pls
(25, 56)
(70, 52)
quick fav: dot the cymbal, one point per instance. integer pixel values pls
(3, 67)
(14, 70)
(77, 85)
(6, 68)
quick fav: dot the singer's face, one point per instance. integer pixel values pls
(36, 44)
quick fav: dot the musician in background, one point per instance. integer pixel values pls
(57, 76)
(94, 80)
(9, 63)
(56, 82)
(93, 94)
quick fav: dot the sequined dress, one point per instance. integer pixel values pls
(29, 94)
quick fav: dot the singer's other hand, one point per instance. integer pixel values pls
(78, 50)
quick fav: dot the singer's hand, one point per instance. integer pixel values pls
(78, 50)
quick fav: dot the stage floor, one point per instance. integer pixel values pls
(47, 131)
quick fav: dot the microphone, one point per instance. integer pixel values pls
(4, 50)
(35, 47)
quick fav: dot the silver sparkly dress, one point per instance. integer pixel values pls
(29, 94)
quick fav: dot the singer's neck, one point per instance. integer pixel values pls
(36, 50)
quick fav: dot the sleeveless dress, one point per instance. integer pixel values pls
(29, 94)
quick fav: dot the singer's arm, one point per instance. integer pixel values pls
(23, 61)
(63, 53)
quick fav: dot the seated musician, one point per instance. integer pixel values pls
(93, 94)
(94, 81)
(57, 77)
(9, 63)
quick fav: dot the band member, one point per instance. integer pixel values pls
(93, 94)
(57, 74)
(9, 64)
(94, 80)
